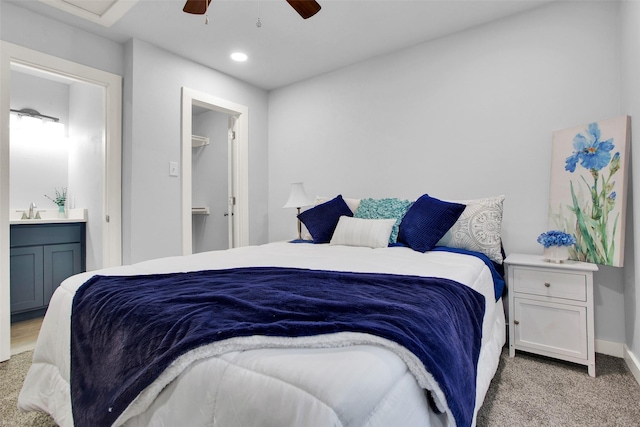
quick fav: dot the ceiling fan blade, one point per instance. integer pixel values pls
(197, 7)
(306, 8)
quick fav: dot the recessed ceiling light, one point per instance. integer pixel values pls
(239, 56)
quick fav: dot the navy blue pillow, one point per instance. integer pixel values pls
(426, 221)
(321, 220)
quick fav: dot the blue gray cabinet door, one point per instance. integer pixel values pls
(60, 261)
(42, 256)
(27, 280)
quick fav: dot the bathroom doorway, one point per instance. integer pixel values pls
(17, 59)
(68, 160)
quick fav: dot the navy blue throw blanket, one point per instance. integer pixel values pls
(498, 277)
(125, 330)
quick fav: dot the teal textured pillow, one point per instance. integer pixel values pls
(384, 209)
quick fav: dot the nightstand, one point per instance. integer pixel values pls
(551, 308)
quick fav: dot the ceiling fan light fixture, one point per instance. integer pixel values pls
(305, 8)
(239, 56)
(196, 7)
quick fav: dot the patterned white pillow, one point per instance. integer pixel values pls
(478, 228)
(371, 233)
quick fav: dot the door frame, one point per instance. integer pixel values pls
(112, 155)
(239, 173)
(232, 129)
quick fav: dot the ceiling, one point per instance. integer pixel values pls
(285, 48)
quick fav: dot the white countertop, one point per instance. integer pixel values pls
(48, 216)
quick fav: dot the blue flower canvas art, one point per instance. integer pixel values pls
(588, 187)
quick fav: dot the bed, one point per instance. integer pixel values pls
(351, 376)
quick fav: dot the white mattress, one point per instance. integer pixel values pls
(340, 383)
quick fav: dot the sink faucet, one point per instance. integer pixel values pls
(32, 206)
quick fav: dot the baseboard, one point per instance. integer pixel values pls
(621, 350)
(610, 348)
(633, 363)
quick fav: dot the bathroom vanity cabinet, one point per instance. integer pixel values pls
(41, 257)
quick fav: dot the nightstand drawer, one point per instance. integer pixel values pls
(551, 284)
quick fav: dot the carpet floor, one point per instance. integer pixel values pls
(531, 390)
(527, 390)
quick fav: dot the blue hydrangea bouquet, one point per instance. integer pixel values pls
(556, 245)
(556, 238)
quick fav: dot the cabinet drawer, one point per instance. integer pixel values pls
(45, 234)
(571, 286)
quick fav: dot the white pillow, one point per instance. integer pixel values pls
(478, 228)
(372, 233)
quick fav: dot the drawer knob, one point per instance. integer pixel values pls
(547, 284)
(515, 322)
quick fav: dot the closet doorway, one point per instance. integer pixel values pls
(214, 173)
(213, 206)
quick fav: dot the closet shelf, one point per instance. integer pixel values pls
(199, 141)
(200, 210)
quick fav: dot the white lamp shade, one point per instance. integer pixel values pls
(298, 197)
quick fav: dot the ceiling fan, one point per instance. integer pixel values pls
(306, 8)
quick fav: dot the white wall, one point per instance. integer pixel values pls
(465, 116)
(33, 91)
(39, 162)
(210, 182)
(630, 25)
(86, 169)
(151, 198)
(25, 28)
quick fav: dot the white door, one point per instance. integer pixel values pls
(231, 199)
(212, 180)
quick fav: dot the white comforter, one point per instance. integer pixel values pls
(339, 383)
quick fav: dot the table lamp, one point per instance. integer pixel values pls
(298, 198)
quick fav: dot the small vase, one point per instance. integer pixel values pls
(62, 212)
(556, 254)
